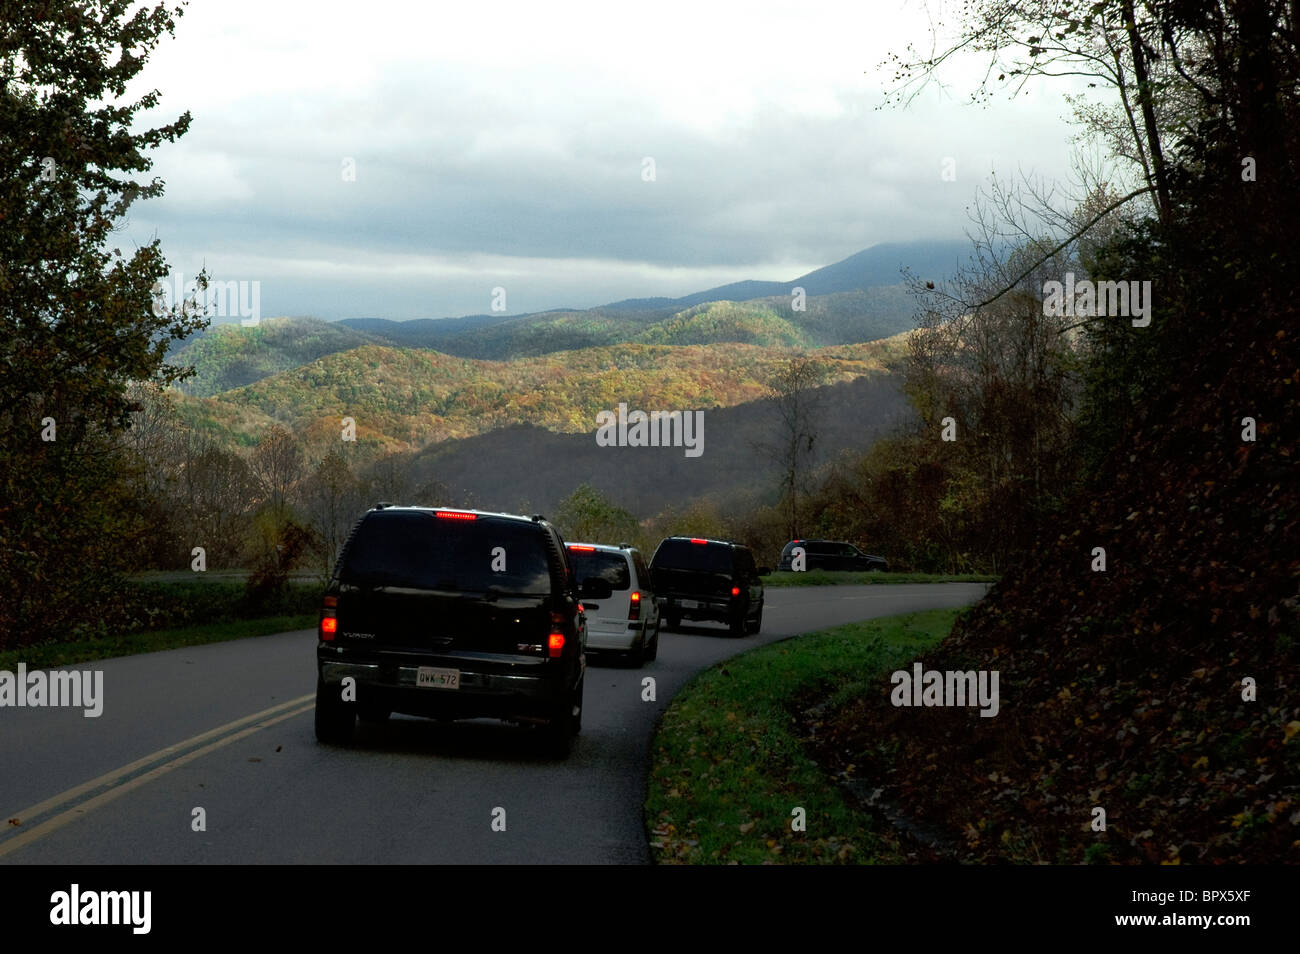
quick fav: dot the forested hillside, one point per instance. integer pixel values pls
(414, 397)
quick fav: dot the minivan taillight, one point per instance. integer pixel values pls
(634, 611)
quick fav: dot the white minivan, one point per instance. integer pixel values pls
(628, 621)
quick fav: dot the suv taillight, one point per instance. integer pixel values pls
(329, 624)
(735, 591)
(555, 641)
(634, 611)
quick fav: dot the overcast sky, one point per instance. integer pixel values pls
(505, 145)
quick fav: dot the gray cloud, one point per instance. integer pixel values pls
(462, 185)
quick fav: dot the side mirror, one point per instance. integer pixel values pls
(595, 588)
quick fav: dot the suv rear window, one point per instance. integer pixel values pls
(642, 574)
(419, 550)
(598, 564)
(684, 555)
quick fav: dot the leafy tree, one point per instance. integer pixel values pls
(792, 392)
(333, 499)
(277, 462)
(217, 501)
(587, 514)
(78, 319)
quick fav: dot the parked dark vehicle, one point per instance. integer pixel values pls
(714, 580)
(831, 555)
(452, 614)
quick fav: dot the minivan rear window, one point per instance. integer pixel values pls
(600, 564)
(416, 549)
(684, 555)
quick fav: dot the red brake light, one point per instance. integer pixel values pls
(698, 540)
(555, 641)
(456, 515)
(735, 591)
(636, 597)
(634, 609)
(328, 627)
(584, 549)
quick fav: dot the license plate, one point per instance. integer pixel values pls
(430, 678)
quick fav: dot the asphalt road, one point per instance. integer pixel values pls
(228, 728)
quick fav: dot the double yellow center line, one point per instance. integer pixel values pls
(122, 780)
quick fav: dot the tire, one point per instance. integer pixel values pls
(577, 698)
(739, 626)
(336, 720)
(757, 623)
(557, 735)
(653, 652)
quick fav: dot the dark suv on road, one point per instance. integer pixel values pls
(452, 614)
(831, 555)
(708, 580)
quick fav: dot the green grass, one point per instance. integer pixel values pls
(843, 577)
(728, 769)
(50, 655)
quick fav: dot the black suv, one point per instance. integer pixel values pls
(708, 580)
(452, 614)
(831, 555)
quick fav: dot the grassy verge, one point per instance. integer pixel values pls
(854, 577)
(729, 770)
(49, 655)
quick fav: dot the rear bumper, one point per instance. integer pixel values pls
(496, 688)
(719, 609)
(617, 641)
